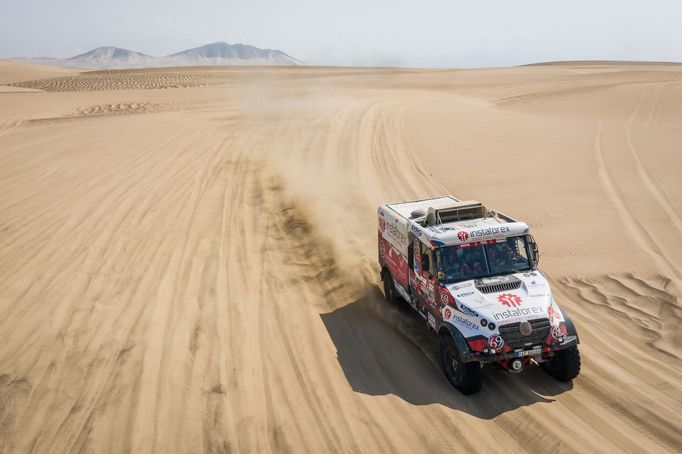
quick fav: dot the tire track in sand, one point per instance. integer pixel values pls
(644, 174)
(634, 226)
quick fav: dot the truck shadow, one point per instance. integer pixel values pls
(384, 349)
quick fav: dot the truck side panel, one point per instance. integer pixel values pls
(393, 260)
(393, 243)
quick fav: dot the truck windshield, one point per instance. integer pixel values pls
(482, 259)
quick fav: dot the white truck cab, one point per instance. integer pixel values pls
(472, 275)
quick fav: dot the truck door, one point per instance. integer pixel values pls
(414, 257)
(424, 278)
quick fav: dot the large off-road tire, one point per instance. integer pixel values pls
(564, 365)
(466, 377)
(389, 288)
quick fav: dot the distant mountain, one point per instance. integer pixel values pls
(219, 53)
(110, 57)
(223, 53)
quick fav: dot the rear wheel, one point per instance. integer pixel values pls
(564, 365)
(466, 377)
(389, 287)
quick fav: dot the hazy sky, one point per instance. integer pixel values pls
(350, 32)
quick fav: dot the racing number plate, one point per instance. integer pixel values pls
(535, 351)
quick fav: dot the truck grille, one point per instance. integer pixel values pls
(502, 287)
(513, 337)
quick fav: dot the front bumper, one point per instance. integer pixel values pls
(536, 351)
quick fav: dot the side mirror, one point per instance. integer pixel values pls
(425, 263)
(536, 252)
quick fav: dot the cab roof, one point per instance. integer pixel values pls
(443, 232)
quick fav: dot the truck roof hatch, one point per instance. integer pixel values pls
(460, 211)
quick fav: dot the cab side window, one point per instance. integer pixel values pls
(410, 255)
(416, 257)
(428, 252)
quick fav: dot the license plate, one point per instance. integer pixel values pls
(536, 351)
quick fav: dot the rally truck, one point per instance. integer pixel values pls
(472, 274)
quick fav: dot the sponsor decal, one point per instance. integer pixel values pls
(395, 261)
(552, 314)
(468, 311)
(514, 313)
(465, 322)
(430, 292)
(444, 298)
(495, 342)
(431, 319)
(447, 313)
(461, 286)
(489, 231)
(416, 231)
(556, 332)
(464, 294)
(395, 232)
(462, 236)
(509, 300)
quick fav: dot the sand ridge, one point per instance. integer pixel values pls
(188, 256)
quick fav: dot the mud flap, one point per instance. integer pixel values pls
(570, 328)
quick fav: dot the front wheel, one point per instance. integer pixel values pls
(564, 365)
(466, 377)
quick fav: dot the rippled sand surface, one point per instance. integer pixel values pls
(188, 256)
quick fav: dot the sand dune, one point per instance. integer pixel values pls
(14, 72)
(188, 257)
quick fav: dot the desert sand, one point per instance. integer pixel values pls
(188, 256)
